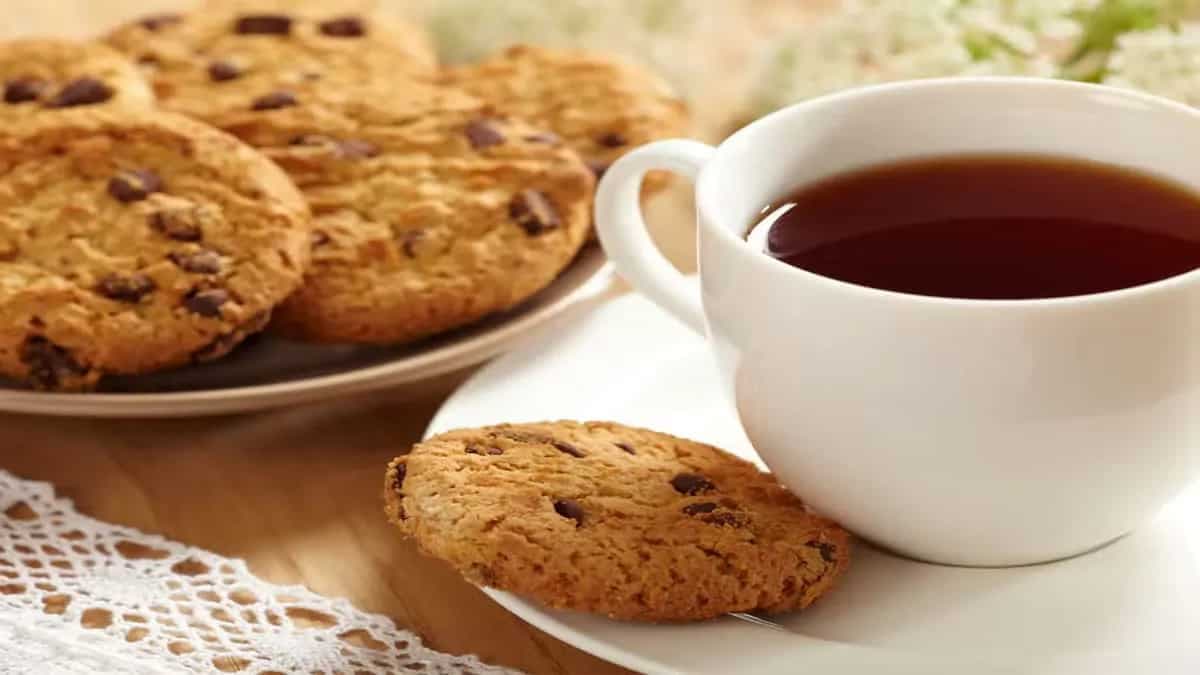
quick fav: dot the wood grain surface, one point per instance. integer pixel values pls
(296, 492)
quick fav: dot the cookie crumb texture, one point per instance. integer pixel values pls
(136, 241)
(41, 75)
(430, 213)
(600, 106)
(625, 522)
(221, 58)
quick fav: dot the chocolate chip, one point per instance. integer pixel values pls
(564, 447)
(533, 212)
(473, 449)
(598, 167)
(544, 137)
(345, 26)
(125, 288)
(398, 485)
(702, 507)
(274, 101)
(134, 186)
(483, 133)
(357, 149)
(24, 89)
(199, 262)
(612, 139)
(401, 472)
(691, 484)
(569, 508)
(49, 364)
(159, 21)
(206, 302)
(725, 518)
(626, 447)
(84, 91)
(223, 71)
(179, 225)
(828, 551)
(409, 241)
(263, 24)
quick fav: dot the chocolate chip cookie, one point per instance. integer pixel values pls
(39, 75)
(604, 518)
(430, 212)
(601, 107)
(132, 241)
(214, 60)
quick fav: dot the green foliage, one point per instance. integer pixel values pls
(1105, 24)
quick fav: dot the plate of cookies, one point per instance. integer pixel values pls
(259, 203)
(653, 538)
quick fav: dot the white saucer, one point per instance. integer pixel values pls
(1132, 607)
(268, 372)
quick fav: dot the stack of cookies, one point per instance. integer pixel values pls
(303, 166)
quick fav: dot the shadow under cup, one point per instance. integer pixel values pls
(957, 431)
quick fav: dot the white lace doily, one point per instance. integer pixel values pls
(81, 596)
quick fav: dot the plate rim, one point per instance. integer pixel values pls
(439, 361)
(596, 647)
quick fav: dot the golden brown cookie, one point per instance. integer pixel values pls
(601, 107)
(603, 518)
(40, 75)
(132, 241)
(430, 214)
(214, 60)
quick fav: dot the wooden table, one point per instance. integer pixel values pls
(297, 493)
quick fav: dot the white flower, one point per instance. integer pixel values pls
(871, 41)
(1161, 61)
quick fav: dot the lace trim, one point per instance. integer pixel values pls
(78, 595)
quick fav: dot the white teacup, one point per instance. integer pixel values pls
(972, 432)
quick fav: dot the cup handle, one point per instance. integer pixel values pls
(623, 233)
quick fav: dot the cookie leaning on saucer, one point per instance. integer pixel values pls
(604, 518)
(132, 241)
(430, 214)
(602, 107)
(208, 62)
(44, 75)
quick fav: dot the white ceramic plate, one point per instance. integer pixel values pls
(1133, 607)
(269, 372)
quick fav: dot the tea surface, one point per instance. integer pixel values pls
(989, 227)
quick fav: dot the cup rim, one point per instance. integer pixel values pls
(706, 208)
